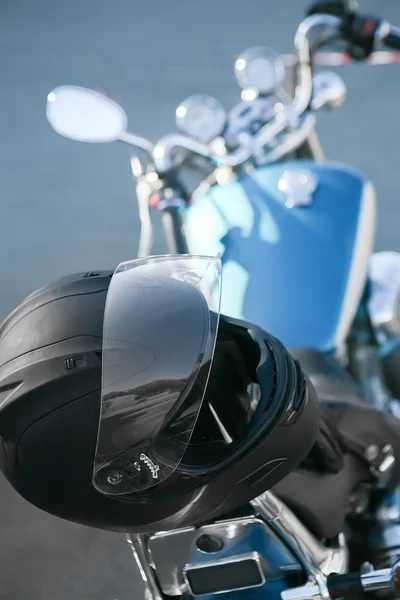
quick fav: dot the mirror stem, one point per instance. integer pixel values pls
(135, 140)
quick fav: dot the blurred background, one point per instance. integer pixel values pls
(68, 207)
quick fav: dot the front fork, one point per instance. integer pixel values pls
(167, 195)
(171, 211)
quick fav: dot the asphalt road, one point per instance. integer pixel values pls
(68, 207)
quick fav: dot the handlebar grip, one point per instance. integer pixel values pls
(392, 40)
(343, 586)
(365, 33)
(362, 32)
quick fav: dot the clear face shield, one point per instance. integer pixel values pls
(159, 334)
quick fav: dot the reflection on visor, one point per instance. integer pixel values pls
(160, 326)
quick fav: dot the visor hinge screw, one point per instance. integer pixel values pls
(371, 452)
(114, 478)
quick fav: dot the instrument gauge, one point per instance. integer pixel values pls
(261, 68)
(201, 117)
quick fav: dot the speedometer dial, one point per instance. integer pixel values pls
(201, 117)
(261, 68)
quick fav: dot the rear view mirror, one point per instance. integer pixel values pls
(84, 115)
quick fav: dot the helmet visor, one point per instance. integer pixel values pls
(160, 327)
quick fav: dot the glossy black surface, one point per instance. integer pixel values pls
(50, 380)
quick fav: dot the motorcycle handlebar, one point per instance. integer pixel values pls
(313, 32)
(304, 44)
(163, 152)
(350, 585)
(390, 36)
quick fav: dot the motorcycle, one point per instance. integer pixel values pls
(269, 203)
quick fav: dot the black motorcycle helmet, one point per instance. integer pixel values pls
(128, 404)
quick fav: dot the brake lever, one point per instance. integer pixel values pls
(358, 30)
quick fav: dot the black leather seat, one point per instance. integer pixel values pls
(322, 499)
(331, 381)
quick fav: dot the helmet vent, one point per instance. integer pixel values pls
(74, 362)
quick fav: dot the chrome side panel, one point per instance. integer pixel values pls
(286, 549)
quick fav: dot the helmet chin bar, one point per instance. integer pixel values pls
(265, 546)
